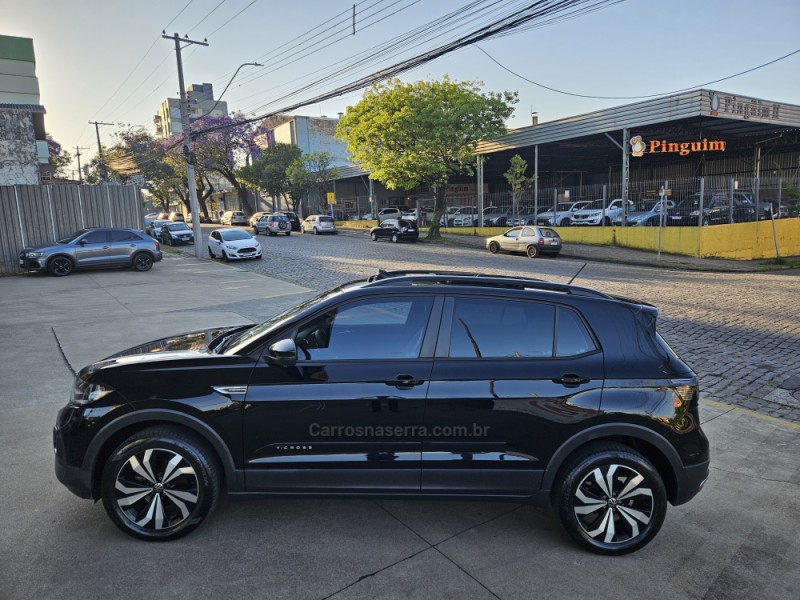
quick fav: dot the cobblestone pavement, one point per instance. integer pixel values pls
(739, 331)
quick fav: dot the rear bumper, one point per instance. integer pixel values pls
(690, 480)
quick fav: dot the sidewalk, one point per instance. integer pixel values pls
(630, 256)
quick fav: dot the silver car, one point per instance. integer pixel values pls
(531, 240)
(93, 248)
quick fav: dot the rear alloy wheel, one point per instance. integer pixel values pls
(160, 484)
(611, 499)
(60, 266)
(532, 251)
(374, 236)
(142, 262)
(395, 238)
(494, 247)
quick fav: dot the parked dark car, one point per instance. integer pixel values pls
(412, 385)
(93, 249)
(294, 220)
(396, 230)
(174, 234)
(717, 209)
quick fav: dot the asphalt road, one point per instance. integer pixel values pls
(738, 539)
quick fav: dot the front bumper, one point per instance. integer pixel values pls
(243, 253)
(32, 264)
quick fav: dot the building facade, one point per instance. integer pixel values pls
(201, 103)
(24, 155)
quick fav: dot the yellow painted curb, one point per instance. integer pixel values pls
(751, 413)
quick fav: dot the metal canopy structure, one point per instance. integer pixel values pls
(591, 142)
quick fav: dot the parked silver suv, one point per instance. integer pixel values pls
(93, 248)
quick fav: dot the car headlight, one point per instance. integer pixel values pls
(85, 393)
(230, 247)
(35, 254)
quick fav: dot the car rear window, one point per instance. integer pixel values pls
(548, 233)
(325, 220)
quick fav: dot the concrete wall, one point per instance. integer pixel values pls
(19, 161)
(740, 241)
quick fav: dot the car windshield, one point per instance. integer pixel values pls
(178, 227)
(72, 237)
(596, 205)
(644, 205)
(232, 235)
(246, 337)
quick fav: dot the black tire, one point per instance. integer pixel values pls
(142, 262)
(210, 253)
(494, 247)
(289, 232)
(259, 257)
(592, 507)
(315, 231)
(607, 222)
(160, 484)
(395, 238)
(532, 251)
(60, 266)
(225, 256)
(374, 236)
(255, 230)
(565, 222)
(706, 221)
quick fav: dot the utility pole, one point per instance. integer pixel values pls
(187, 143)
(103, 171)
(78, 156)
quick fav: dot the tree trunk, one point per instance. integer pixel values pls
(438, 211)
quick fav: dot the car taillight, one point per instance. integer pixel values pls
(158, 245)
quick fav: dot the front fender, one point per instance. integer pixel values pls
(234, 478)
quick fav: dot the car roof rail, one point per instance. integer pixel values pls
(412, 277)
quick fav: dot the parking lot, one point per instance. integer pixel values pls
(740, 538)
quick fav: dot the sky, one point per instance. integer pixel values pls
(105, 60)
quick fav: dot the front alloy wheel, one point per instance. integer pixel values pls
(611, 499)
(60, 266)
(160, 484)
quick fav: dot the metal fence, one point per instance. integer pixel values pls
(687, 202)
(32, 215)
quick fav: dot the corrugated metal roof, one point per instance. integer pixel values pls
(351, 170)
(697, 103)
(31, 108)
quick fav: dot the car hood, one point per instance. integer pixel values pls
(192, 342)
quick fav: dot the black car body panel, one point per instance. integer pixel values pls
(395, 230)
(443, 406)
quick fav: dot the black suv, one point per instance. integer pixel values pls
(718, 209)
(408, 385)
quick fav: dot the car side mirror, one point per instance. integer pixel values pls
(82, 242)
(283, 352)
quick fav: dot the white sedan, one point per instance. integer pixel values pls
(230, 244)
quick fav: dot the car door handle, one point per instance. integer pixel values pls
(404, 382)
(570, 380)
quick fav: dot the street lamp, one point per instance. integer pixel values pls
(252, 64)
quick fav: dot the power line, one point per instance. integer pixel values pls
(208, 14)
(231, 19)
(694, 87)
(502, 25)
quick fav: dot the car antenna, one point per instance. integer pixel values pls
(576, 274)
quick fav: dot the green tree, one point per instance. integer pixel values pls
(410, 134)
(793, 192)
(269, 171)
(311, 173)
(518, 181)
